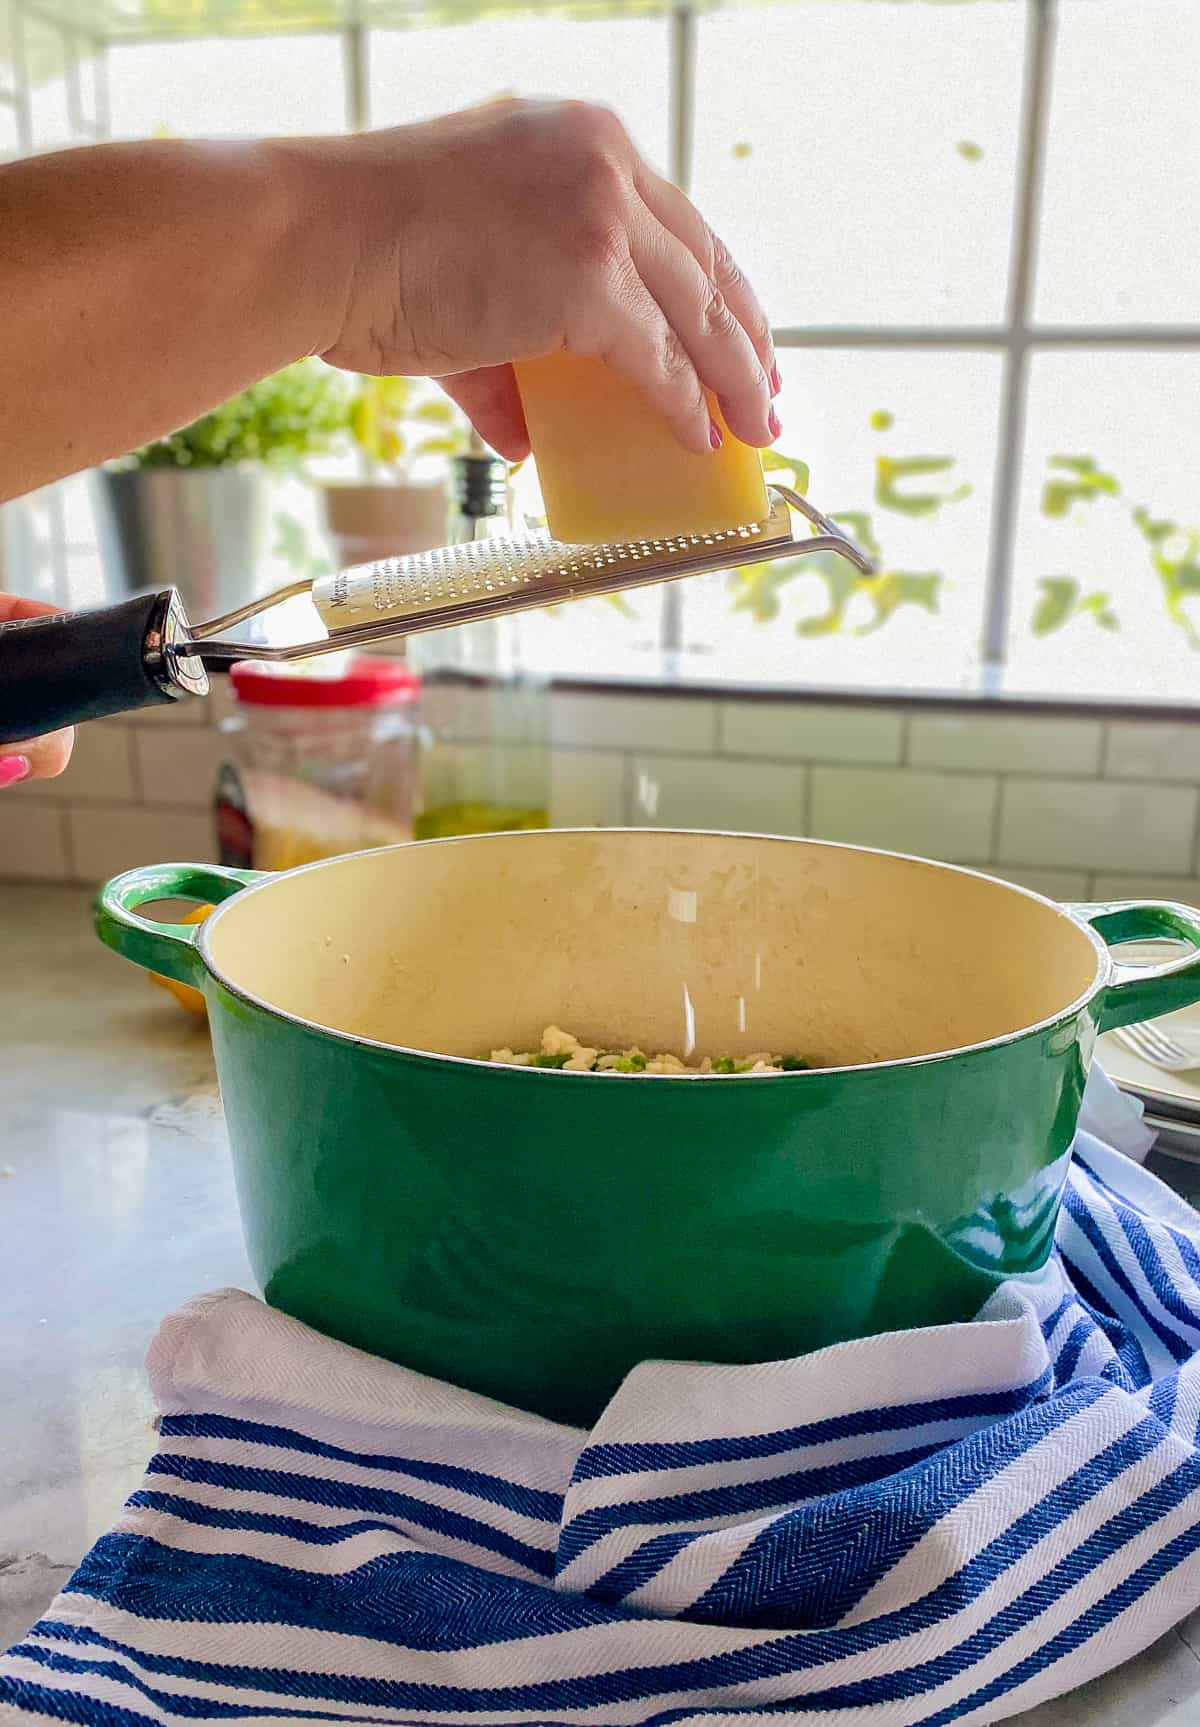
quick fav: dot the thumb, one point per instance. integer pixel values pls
(490, 400)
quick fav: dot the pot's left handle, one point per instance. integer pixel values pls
(166, 948)
(1140, 992)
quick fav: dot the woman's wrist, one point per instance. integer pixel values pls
(307, 226)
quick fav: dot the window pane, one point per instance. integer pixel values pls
(1109, 531)
(46, 59)
(91, 99)
(9, 138)
(27, 547)
(223, 89)
(621, 62)
(8, 70)
(1121, 210)
(859, 158)
(871, 426)
(605, 637)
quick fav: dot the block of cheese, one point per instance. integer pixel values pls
(610, 466)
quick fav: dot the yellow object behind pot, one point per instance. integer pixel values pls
(188, 997)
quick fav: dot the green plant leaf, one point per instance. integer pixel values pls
(437, 411)
(1056, 603)
(755, 589)
(892, 589)
(294, 413)
(1087, 482)
(437, 447)
(858, 525)
(1152, 529)
(775, 462)
(1060, 600)
(892, 471)
(841, 581)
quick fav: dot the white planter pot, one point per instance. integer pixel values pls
(370, 522)
(201, 530)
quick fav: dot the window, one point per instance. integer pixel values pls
(994, 194)
(829, 153)
(623, 61)
(918, 627)
(227, 88)
(976, 227)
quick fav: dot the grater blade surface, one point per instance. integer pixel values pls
(485, 577)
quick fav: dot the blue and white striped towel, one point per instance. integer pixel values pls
(933, 1526)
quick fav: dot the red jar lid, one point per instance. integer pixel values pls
(366, 683)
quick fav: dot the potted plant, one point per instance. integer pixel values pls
(191, 510)
(394, 422)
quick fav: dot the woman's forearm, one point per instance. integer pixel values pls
(142, 284)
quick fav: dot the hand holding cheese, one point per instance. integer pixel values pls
(144, 283)
(521, 229)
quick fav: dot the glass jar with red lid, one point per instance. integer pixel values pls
(320, 760)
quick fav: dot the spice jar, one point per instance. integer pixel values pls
(320, 760)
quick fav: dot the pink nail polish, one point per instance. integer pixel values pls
(776, 381)
(773, 422)
(715, 435)
(13, 769)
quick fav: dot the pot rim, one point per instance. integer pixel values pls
(1104, 962)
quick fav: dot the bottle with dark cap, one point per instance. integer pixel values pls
(484, 759)
(481, 506)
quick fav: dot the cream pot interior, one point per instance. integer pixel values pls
(679, 942)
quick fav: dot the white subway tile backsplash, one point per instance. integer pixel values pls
(220, 704)
(737, 797)
(140, 786)
(1183, 890)
(101, 766)
(629, 722)
(1066, 886)
(478, 716)
(818, 732)
(1153, 750)
(587, 789)
(1080, 824)
(106, 839)
(1005, 743)
(945, 816)
(187, 711)
(178, 765)
(33, 844)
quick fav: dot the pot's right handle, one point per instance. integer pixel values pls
(166, 948)
(1145, 992)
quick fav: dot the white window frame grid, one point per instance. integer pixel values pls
(1015, 339)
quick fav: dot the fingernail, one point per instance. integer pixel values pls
(13, 769)
(776, 381)
(773, 422)
(715, 435)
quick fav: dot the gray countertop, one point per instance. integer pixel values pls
(116, 1204)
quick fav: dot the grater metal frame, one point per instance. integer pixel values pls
(491, 578)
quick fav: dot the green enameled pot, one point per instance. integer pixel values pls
(533, 1234)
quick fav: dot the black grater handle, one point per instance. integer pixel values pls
(67, 667)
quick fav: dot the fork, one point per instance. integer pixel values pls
(1155, 1047)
